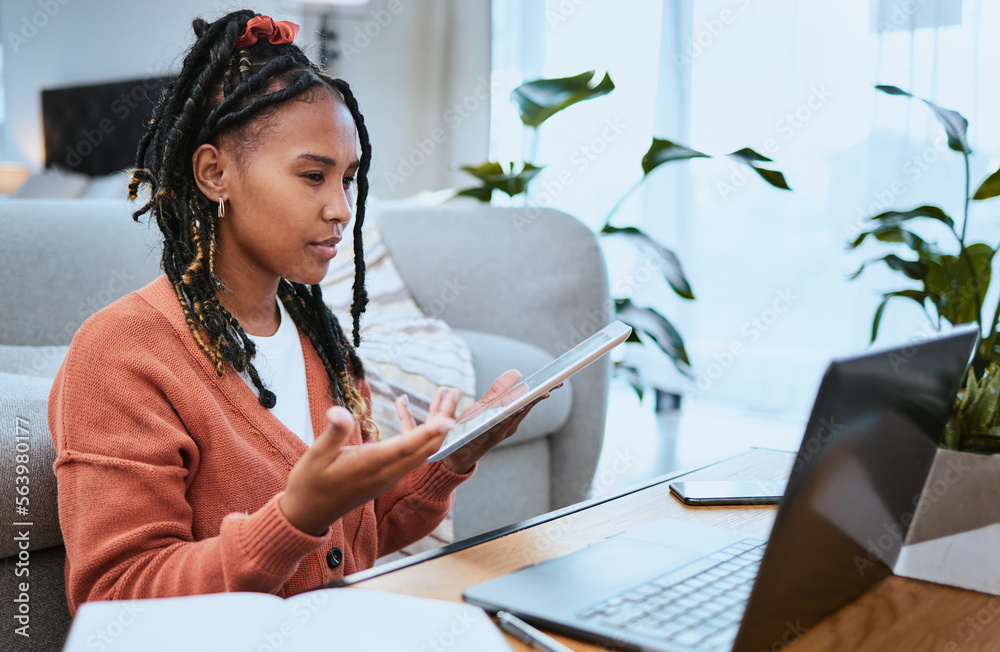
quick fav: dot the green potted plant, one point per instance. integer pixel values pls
(956, 519)
(537, 101)
(951, 284)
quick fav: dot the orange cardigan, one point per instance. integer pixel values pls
(169, 476)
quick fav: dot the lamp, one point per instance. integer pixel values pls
(12, 175)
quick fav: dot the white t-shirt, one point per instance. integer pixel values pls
(282, 369)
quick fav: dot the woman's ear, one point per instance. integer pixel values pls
(210, 165)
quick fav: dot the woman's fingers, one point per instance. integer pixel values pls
(436, 400)
(403, 411)
(339, 428)
(505, 381)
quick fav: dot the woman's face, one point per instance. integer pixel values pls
(290, 195)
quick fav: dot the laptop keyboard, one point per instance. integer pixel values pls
(699, 605)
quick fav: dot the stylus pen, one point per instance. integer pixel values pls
(528, 635)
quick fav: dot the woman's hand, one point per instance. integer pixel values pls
(462, 460)
(331, 479)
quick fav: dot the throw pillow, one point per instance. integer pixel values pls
(404, 350)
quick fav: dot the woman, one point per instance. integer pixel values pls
(180, 468)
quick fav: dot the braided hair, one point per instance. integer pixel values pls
(226, 89)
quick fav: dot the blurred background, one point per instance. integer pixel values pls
(792, 79)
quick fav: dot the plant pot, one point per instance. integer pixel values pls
(955, 531)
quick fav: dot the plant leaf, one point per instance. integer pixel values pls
(898, 217)
(494, 176)
(773, 177)
(915, 295)
(893, 232)
(955, 125)
(539, 100)
(664, 151)
(989, 188)
(484, 171)
(749, 156)
(631, 376)
(915, 269)
(667, 260)
(950, 278)
(482, 193)
(892, 90)
(658, 328)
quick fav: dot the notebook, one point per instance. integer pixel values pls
(672, 585)
(326, 619)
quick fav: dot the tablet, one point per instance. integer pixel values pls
(477, 422)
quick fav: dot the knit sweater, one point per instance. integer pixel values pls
(169, 476)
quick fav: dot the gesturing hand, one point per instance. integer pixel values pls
(332, 479)
(462, 460)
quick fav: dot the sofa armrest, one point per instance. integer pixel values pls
(532, 274)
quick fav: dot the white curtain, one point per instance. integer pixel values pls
(792, 79)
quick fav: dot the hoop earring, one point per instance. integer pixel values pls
(222, 208)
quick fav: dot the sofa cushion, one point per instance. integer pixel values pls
(40, 361)
(26, 450)
(53, 183)
(494, 354)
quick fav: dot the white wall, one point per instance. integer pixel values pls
(421, 73)
(426, 57)
(55, 43)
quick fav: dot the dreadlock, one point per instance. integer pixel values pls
(227, 89)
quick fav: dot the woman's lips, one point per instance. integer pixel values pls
(326, 248)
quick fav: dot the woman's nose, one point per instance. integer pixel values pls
(338, 209)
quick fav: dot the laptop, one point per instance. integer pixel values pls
(672, 585)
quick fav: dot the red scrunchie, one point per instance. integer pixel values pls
(276, 33)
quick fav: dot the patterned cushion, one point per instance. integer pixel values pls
(404, 350)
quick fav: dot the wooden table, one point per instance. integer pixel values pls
(898, 614)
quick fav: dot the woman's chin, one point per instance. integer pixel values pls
(311, 277)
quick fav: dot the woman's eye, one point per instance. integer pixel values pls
(348, 181)
(314, 176)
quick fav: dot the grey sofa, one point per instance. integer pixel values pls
(533, 283)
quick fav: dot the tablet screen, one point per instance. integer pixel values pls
(475, 423)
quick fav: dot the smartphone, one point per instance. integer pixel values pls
(719, 492)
